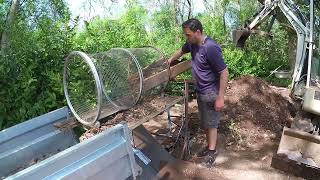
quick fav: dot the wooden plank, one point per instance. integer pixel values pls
(186, 137)
(163, 76)
(282, 163)
(151, 116)
(301, 135)
(108, 110)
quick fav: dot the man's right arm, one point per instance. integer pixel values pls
(175, 56)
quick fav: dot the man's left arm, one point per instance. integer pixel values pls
(219, 67)
(222, 88)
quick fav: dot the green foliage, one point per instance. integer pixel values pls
(31, 68)
(166, 34)
(100, 35)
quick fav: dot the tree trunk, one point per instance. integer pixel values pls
(190, 9)
(5, 39)
(175, 8)
(222, 12)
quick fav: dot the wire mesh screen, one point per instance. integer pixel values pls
(121, 77)
(81, 87)
(152, 62)
(150, 59)
(102, 84)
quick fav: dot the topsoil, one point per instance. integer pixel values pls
(255, 110)
(250, 130)
(249, 133)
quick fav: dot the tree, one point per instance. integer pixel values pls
(37, 37)
(5, 35)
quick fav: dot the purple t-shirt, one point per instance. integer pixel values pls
(207, 63)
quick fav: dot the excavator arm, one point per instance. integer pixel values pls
(297, 139)
(240, 36)
(298, 23)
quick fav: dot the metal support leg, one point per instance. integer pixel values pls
(169, 125)
(186, 149)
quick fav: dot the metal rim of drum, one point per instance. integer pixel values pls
(94, 72)
(133, 57)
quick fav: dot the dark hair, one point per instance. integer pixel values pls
(193, 24)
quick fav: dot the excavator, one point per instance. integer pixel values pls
(299, 148)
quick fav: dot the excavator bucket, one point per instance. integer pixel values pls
(298, 153)
(240, 37)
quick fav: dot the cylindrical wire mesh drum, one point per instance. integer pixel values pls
(102, 84)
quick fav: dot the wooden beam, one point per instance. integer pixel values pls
(163, 76)
(72, 122)
(301, 135)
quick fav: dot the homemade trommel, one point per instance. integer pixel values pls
(99, 85)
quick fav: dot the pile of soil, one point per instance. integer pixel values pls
(254, 110)
(250, 130)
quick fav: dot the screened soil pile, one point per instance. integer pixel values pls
(255, 110)
(254, 114)
(30, 163)
(249, 133)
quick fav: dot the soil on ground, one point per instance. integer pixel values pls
(249, 133)
(250, 130)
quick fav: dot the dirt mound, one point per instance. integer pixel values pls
(255, 111)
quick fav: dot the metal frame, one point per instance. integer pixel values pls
(33, 139)
(302, 34)
(106, 155)
(99, 83)
(311, 42)
(302, 29)
(104, 91)
(89, 62)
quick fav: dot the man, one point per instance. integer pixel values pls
(211, 77)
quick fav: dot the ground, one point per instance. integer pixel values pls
(254, 115)
(252, 120)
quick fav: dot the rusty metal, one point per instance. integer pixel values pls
(186, 149)
(298, 153)
(240, 36)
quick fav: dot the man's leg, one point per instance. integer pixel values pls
(211, 138)
(209, 155)
(210, 121)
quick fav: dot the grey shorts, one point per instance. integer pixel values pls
(208, 116)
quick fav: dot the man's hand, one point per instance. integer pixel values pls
(218, 105)
(223, 85)
(174, 57)
(168, 62)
